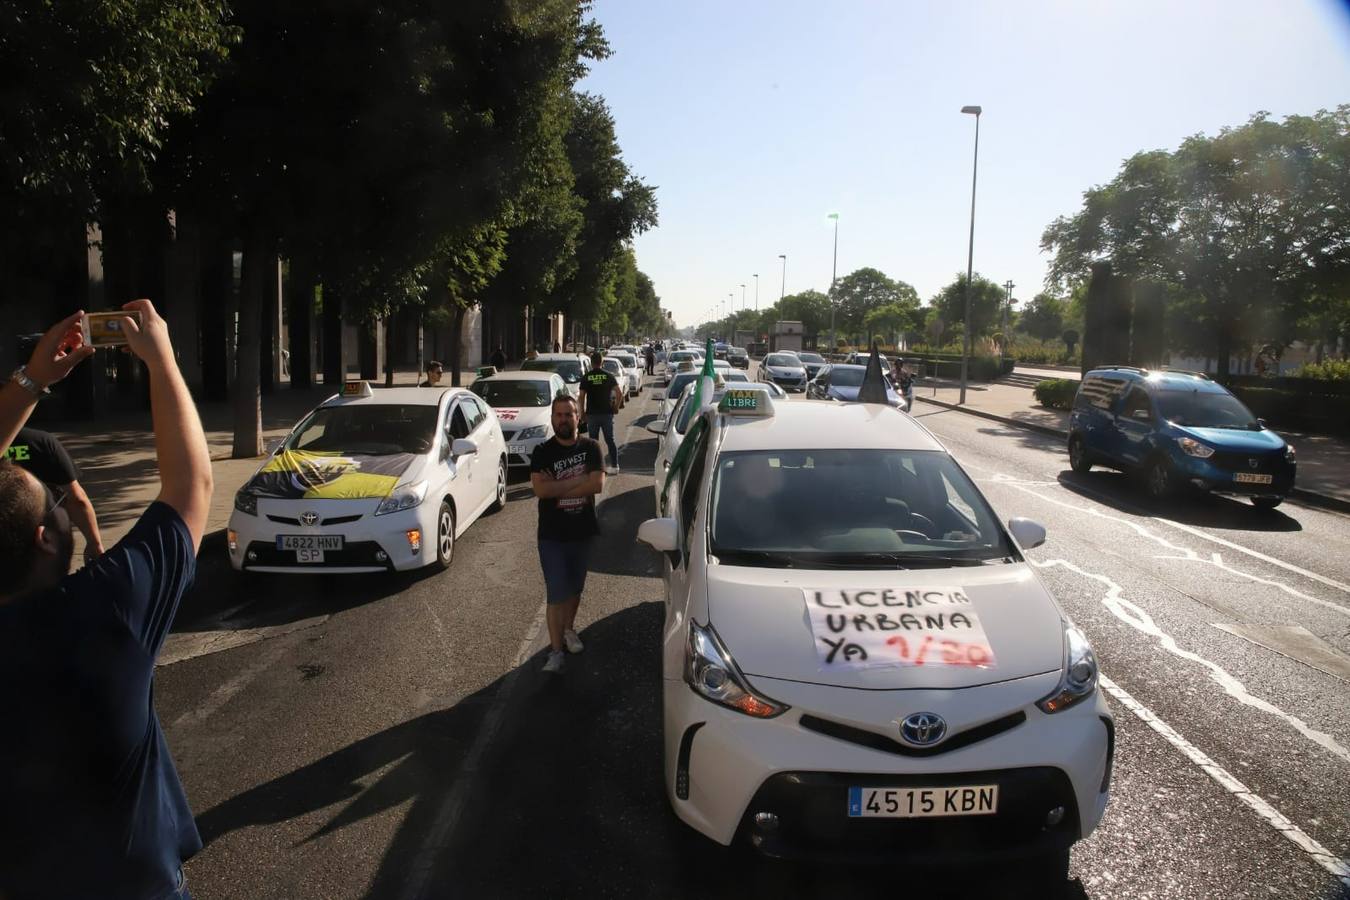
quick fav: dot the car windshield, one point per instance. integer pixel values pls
(1207, 409)
(868, 509)
(569, 369)
(811, 357)
(850, 377)
(612, 366)
(677, 384)
(734, 376)
(375, 430)
(512, 393)
(736, 352)
(627, 360)
(681, 356)
(783, 359)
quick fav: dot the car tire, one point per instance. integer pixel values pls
(445, 536)
(1267, 502)
(1158, 480)
(499, 502)
(1079, 459)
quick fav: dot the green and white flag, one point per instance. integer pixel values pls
(705, 389)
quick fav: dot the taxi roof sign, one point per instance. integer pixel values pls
(749, 402)
(357, 389)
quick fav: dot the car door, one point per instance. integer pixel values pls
(1101, 395)
(683, 502)
(462, 488)
(1135, 423)
(485, 431)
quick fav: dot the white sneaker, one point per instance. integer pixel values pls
(555, 662)
(573, 642)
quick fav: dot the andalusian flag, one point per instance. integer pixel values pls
(704, 391)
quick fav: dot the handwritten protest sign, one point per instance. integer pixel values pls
(506, 415)
(917, 626)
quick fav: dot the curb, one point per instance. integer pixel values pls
(1310, 498)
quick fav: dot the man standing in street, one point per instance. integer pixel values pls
(498, 359)
(601, 398)
(435, 372)
(46, 459)
(904, 383)
(650, 353)
(566, 476)
(92, 802)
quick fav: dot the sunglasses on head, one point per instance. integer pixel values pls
(53, 500)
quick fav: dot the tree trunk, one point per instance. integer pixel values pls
(334, 351)
(247, 381)
(300, 313)
(456, 333)
(389, 351)
(1224, 347)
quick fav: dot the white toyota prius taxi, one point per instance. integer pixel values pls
(371, 481)
(884, 675)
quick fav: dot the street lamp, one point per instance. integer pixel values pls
(782, 291)
(834, 273)
(756, 292)
(733, 305)
(970, 253)
(1007, 310)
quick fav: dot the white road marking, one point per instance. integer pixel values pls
(1273, 817)
(1136, 618)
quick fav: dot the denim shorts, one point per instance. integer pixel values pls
(564, 564)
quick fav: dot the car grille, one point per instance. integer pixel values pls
(334, 520)
(813, 821)
(353, 554)
(875, 741)
(507, 435)
(1235, 461)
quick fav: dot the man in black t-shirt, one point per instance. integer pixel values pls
(42, 455)
(566, 476)
(435, 372)
(93, 806)
(601, 398)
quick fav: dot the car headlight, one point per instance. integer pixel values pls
(1078, 680)
(404, 497)
(1192, 447)
(1289, 453)
(534, 431)
(710, 671)
(246, 502)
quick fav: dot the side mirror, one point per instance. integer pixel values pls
(1261, 424)
(660, 426)
(463, 447)
(660, 534)
(1027, 533)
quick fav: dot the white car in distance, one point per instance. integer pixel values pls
(571, 367)
(371, 481)
(523, 404)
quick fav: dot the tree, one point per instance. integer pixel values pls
(986, 304)
(1043, 317)
(894, 320)
(864, 290)
(811, 308)
(1247, 223)
(89, 87)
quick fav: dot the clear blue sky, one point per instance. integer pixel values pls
(757, 118)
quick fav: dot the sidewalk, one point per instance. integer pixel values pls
(116, 455)
(1323, 461)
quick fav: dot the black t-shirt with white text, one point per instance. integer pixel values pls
(571, 519)
(43, 456)
(599, 386)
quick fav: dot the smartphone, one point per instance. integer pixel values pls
(104, 329)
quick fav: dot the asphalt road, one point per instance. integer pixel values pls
(393, 737)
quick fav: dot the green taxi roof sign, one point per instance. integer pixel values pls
(748, 402)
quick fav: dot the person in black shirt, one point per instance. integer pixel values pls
(42, 455)
(601, 398)
(93, 806)
(498, 359)
(566, 475)
(435, 371)
(650, 353)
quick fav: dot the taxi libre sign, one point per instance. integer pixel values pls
(911, 626)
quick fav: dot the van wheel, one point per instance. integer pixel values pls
(1079, 460)
(1158, 479)
(445, 536)
(1267, 502)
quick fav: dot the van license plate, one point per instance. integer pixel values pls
(1248, 478)
(916, 803)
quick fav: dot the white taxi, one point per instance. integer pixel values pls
(371, 481)
(523, 403)
(885, 675)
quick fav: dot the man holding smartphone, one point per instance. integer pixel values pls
(92, 803)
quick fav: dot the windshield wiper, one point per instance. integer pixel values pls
(761, 557)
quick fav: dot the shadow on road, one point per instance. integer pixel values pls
(1124, 493)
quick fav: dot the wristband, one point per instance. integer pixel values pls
(25, 381)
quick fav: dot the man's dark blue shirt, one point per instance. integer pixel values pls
(90, 802)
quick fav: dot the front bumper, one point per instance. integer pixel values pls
(722, 768)
(520, 455)
(1216, 473)
(254, 548)
(788, 382)
(739, 363)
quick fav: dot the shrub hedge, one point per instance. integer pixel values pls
(1056, 393)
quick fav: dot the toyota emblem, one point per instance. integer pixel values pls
(309, 518)
(923, 729)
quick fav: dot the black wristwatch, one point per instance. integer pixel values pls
(22, 379)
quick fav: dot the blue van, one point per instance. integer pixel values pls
(1178, 430)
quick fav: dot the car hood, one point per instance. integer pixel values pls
(786, 370)
(763, 618)
(302, 474)
(1240, 441)
(516, 417)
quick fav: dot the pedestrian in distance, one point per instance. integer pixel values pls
(435, 372)
(43, 456)
(93, 806)
(601, 398)
(651, 359)
(904, 382)
(498, 359)
(566, 475)
(557, 347)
